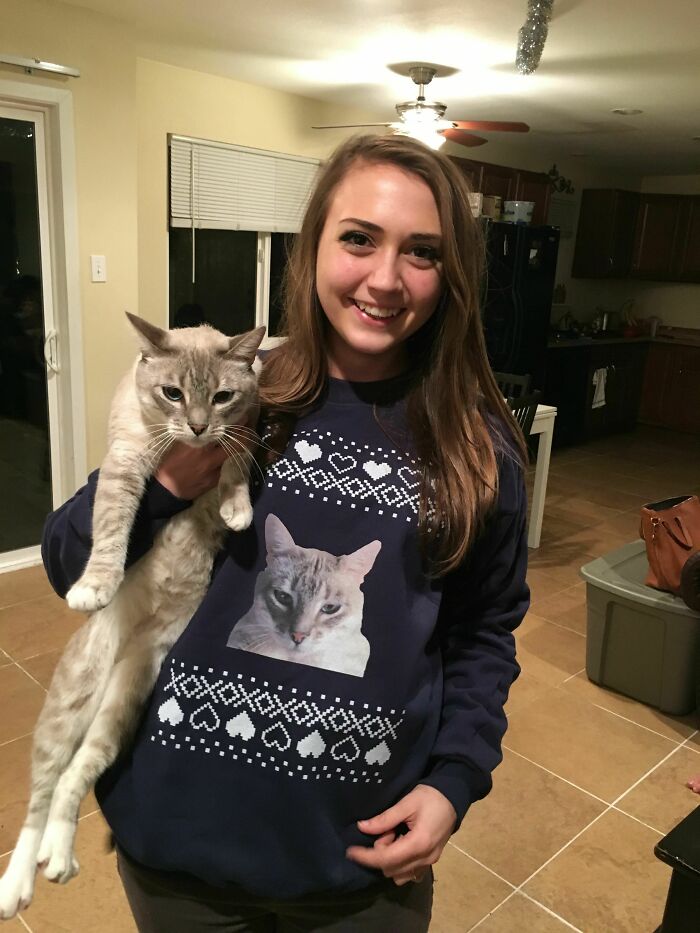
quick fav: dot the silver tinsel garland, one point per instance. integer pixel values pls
(533, 35)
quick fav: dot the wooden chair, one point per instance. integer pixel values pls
(512, 385)
(524, 409)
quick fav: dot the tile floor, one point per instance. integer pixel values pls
(590, 781)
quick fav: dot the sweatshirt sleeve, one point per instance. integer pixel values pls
(483, 602)
(67, 537)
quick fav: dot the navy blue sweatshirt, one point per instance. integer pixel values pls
(324, 675)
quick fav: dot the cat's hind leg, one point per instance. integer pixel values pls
(69, 707)
(130, 683)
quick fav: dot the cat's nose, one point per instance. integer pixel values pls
(198, 428)
(298, 637)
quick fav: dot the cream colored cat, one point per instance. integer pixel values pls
(194, 385)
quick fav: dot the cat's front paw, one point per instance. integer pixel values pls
(56, 853)
(237, 517)
(16, 892)
(91, 593)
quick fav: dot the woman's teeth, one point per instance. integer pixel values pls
(380, 313)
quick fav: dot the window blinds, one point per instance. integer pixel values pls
(222, 187)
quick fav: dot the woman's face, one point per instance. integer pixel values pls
(378, 269)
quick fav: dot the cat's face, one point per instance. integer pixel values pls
(309, 593)
(194, 381)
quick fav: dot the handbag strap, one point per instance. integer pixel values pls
(682, 537)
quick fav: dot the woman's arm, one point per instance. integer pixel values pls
(481, 607)
(184, 474)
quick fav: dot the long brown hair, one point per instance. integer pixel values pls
(454, 406)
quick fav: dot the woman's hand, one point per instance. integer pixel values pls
(188, 472)
(430, 818)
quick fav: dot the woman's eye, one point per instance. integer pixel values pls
(172, 393)
(330, 608)
(356, 238)
(426, 253)
(225, 395)
(284, 599)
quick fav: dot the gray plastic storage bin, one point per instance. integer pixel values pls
(641, 642)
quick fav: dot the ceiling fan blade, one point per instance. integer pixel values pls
(345, 126)
(491, 126)
(464, 139)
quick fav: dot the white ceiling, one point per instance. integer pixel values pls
(599, 54)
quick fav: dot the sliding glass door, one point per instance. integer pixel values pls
(28, 361)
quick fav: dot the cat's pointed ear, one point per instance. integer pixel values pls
(245, 346)
(359, 563)
(277, 538)
(153, 339)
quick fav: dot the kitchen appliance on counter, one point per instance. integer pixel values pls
(517, 298)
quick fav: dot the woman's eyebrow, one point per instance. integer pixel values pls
(375, 228)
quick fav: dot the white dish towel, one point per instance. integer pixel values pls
(599, 377)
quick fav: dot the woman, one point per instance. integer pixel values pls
(336, 704)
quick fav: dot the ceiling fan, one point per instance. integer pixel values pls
(424, 119)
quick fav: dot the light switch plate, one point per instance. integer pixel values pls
(98, 266)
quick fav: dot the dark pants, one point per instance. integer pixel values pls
(166, 903)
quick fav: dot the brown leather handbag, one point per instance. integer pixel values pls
(671, 532)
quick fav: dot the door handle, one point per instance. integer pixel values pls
(51, 351)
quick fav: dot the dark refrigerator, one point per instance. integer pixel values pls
(517, 297)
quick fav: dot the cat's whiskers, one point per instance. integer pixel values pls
(246, 433)
(231, 453)
(154, 441)
(239, 450)
(157, 450)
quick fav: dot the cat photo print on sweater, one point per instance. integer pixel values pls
(308, 605)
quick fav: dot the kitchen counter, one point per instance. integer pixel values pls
(680, 340)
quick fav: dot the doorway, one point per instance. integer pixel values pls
(30, 450)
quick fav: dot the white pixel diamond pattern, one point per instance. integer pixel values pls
(318, 737)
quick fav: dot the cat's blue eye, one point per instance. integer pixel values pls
(173, 394)
(284, 599)
(330, 608)
(224, 396)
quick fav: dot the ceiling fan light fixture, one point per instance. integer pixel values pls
(424, 133)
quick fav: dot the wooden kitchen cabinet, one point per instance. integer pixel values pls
(605, 235)
(471, 171)
(537, 187)
(688, 252)
(509, 183)
(671, 393)
(658, 235)
(625, 234)
(498, 180)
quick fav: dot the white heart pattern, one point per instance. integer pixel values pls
(409, 476)
(277, 737)
(307, 452)
(241, 725)
(378, 755)
(341, 463)
(204, 717)
(170, 712)
(346, 750)
(312, 746)
(376, 470)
